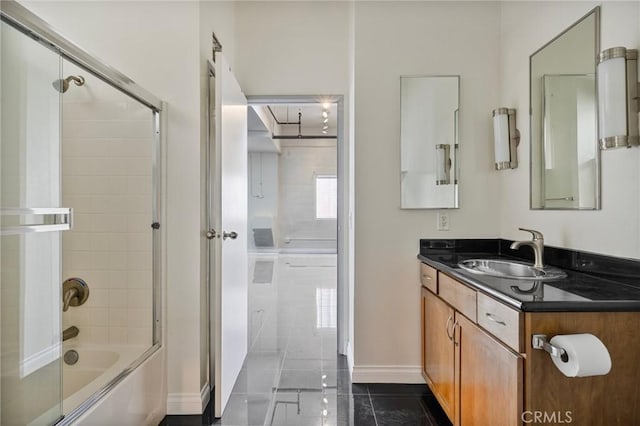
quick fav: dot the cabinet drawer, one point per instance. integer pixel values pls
(500, 320)
(429, 277)
(457, 295)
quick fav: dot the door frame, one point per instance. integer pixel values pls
(210, 270)
(342, 154)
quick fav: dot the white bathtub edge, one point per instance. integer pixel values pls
(137, 400)
(188, 403)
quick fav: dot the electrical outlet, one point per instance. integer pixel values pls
(443, 221)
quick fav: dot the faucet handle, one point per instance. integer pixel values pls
(537, 235)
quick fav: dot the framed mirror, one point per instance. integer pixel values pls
(429, 142)
(565, 159)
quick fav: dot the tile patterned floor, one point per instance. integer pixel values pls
(293, 374)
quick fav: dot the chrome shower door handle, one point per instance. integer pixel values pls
(28, 220)
(211, 234)
(233, 235)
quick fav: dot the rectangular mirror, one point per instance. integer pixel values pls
(565, 159)
(429, 142)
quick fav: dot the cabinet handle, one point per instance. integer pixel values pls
(426, 277)
(495, 319)
(455, 325)
(449, 320)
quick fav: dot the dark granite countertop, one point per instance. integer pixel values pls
(593, 282)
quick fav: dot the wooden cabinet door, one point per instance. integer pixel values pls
(438, 352)
(489, 378)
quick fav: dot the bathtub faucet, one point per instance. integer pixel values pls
(75, 292)
(66, 300)
(70, 333)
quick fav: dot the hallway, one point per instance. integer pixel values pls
(292, 374)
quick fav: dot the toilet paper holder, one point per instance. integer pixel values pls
(539, 341)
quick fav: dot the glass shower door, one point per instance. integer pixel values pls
(31, 219)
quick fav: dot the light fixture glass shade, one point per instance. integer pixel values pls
(612, 98)
(443, 164)
(617, 88)
(505, 138)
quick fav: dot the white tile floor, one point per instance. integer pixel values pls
(289, 376)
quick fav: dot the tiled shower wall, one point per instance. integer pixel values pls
(106, 151)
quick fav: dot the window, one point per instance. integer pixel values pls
(326, 197)
(326, 307)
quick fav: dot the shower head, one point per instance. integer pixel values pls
(63, 85)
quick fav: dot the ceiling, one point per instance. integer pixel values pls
(312, 120)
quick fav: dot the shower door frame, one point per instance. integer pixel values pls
(41, 32)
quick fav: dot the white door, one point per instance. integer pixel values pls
(229, 217)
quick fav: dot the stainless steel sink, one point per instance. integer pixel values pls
(511, 269)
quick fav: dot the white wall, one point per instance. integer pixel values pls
(263, 195)
(413, 38)
(300, 163)
(291, 48)
(614, 230)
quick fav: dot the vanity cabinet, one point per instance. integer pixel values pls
(476, 377)
(438, 349)
(489, 378)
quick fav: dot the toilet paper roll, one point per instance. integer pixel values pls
(588, 356)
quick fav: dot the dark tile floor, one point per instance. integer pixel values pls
(292, 374)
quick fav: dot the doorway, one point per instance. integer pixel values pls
(293, 192)
(297, 155)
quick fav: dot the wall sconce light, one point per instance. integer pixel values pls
(618, 98)
(506, 138)
(443, 164)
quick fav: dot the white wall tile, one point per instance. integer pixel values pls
(98, 298)
(117, 335)
(118, 279)
(139, 241)
(139, 317)
(139, 279)
(117, 298)
(99, 317)
(138, 298)
(118, 317)
(139, 335)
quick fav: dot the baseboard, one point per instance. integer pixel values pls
(350, 358)
(387, 374)
(205, 396)
(188, 403)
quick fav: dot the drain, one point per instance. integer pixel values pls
(71, 357)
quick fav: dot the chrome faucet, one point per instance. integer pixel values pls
(537, 244)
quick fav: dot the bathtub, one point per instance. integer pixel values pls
(97, 365)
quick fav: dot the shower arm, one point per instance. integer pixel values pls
(78, 80)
